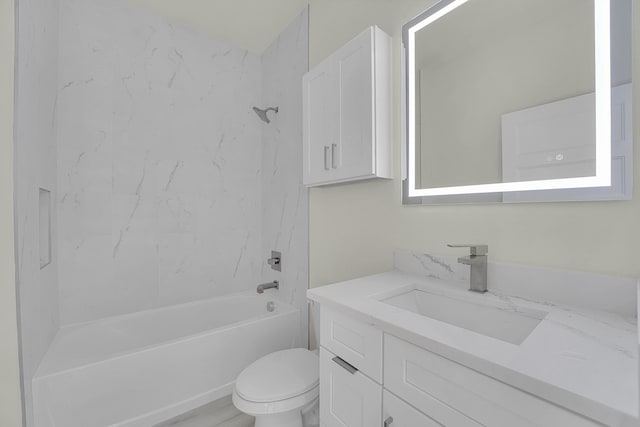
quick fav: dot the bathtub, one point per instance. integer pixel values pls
(143, 368)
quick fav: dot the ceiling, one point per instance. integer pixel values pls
(248, 24)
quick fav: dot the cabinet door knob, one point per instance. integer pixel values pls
(388, 422)
(326, 155)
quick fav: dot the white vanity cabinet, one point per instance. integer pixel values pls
(350, 371)
(370, 378)
(347, 116)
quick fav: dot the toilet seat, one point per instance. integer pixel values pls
(281, 406)
(278, 382)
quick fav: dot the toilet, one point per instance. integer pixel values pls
(277, 387)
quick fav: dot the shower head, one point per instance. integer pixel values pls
(263, 113)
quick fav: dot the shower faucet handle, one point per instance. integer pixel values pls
(275, 261)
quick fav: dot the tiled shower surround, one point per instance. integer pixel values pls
(167, 180)
(285, 202)
(35, 156)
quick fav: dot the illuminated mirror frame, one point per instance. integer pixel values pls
(602, 177)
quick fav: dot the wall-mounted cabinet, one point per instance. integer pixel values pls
(347, 115)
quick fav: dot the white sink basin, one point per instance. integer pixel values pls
(491, 318)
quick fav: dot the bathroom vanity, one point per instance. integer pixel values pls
(402, 349)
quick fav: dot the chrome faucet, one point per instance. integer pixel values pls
(270, 285)
(478, 262)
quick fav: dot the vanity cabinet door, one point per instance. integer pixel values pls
(459, 396)
(347, 397)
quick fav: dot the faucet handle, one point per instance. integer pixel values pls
(475, 249)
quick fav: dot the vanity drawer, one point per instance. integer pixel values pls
(354, 341)
(348, 398)
(435, 385)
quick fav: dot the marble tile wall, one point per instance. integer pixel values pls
(285, 205)
(35, 157)
(159, 163)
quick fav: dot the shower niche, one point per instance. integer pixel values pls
(44, 226)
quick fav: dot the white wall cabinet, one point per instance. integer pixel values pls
(347, 115)
(417, 386)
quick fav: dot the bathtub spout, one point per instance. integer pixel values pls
(275, 284)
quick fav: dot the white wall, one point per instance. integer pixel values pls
(159, 163)
(37, 53)
(285, 201)
(355, 228)
(10, 399)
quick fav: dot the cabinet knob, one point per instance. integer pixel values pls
(388, 422)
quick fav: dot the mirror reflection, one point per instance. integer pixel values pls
(505, 92)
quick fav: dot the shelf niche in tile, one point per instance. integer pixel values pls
(44, 205)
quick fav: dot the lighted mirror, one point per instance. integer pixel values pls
(518, 100)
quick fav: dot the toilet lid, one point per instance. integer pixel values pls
(278, 376)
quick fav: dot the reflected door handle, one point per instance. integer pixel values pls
(388, 422)
(326, 157)
(334, 162)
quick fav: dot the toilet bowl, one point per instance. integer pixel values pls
(275, 388)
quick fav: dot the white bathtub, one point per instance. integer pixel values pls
(144, 368)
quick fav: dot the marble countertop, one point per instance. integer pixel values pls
(581, 359)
